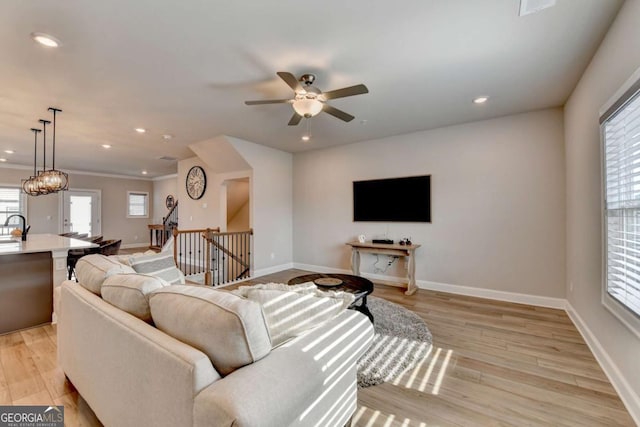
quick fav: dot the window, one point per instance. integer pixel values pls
(12, 201)
(137, 204)
(620, 127)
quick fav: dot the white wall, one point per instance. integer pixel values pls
(497, 191)
(271, 201)
(43, 210)
(210, 210)
(617, 58)
(161, 189)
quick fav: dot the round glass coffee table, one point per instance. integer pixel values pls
(356, 285)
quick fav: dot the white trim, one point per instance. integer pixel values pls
(79, 172)
(61, 194)
(321, 269)
(629, 397)
(134, 245)
(493, 294)
(271, 270)
(536, 300)
(620, 92)
(147, 204)
(164, 177)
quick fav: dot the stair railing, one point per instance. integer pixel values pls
(213, 257)
(160, 233)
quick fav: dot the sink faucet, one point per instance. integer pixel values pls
(25, 229)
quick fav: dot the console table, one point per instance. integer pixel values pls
(386, 249)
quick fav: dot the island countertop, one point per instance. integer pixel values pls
(41, 243)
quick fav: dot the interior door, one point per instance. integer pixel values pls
(81, 212)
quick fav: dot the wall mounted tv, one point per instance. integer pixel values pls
(393, 200)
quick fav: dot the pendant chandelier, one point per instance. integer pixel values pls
(30, 185)
(45, 181)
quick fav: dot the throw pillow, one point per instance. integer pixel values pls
(289, 314)
(227, 328)
(92, 270)
(129, 292)
(161, 265)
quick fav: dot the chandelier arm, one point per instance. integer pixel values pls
(55, 110)
(44, 143)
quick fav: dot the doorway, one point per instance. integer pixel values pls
(81, 212)
(238, 204)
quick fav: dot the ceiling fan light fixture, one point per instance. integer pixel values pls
(307, 107)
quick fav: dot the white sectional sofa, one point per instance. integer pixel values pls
(134, 374)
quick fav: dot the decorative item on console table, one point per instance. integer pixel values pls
(406, 250)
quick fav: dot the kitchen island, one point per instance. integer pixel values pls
(29, 271)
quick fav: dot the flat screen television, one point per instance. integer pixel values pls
(393, 200)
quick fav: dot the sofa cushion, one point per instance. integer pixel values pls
(129, 292)
(92, 270)
(160, 265)
(230, 330)
(124, 259)
(289, 314)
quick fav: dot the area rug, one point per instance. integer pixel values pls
(401, 340)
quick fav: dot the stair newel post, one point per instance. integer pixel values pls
(207, 275)
(175, 245)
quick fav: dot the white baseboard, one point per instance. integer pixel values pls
(452, 289)
(134, 245)
(629, 397)
(320, 269)
(271, 270)
(519, 298)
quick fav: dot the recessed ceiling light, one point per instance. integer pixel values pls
(9, 151)
(144, 172)
(45, 39)
(167, 136)
(106, 146)
(481, 100)
(141, 130)
(2, 159)
(306, 137)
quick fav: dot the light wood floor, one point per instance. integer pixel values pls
(492, 363)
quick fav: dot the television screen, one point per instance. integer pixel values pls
(394, 200)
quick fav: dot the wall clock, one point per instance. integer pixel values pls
(196, 182)
(169, 201)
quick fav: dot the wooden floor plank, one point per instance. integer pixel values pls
(508, 365)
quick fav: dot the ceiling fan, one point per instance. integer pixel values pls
(309, 101)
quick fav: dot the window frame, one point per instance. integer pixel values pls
(23, 203)
(619, 100)
(146, 204)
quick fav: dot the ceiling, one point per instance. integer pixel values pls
(186, 67)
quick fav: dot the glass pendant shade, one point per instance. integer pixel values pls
(55, 180)
(46, 181)
(306, 107)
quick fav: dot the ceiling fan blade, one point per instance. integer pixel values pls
(268, 101)
(291, 80)
(295, 119)
(337, 113)
(346, 91)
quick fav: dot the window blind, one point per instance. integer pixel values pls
(138, 204)
(621, 133)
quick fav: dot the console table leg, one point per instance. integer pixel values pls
(411, 286)
(355, 261)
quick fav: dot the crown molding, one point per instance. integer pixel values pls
(164, 177)
(80, 172)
